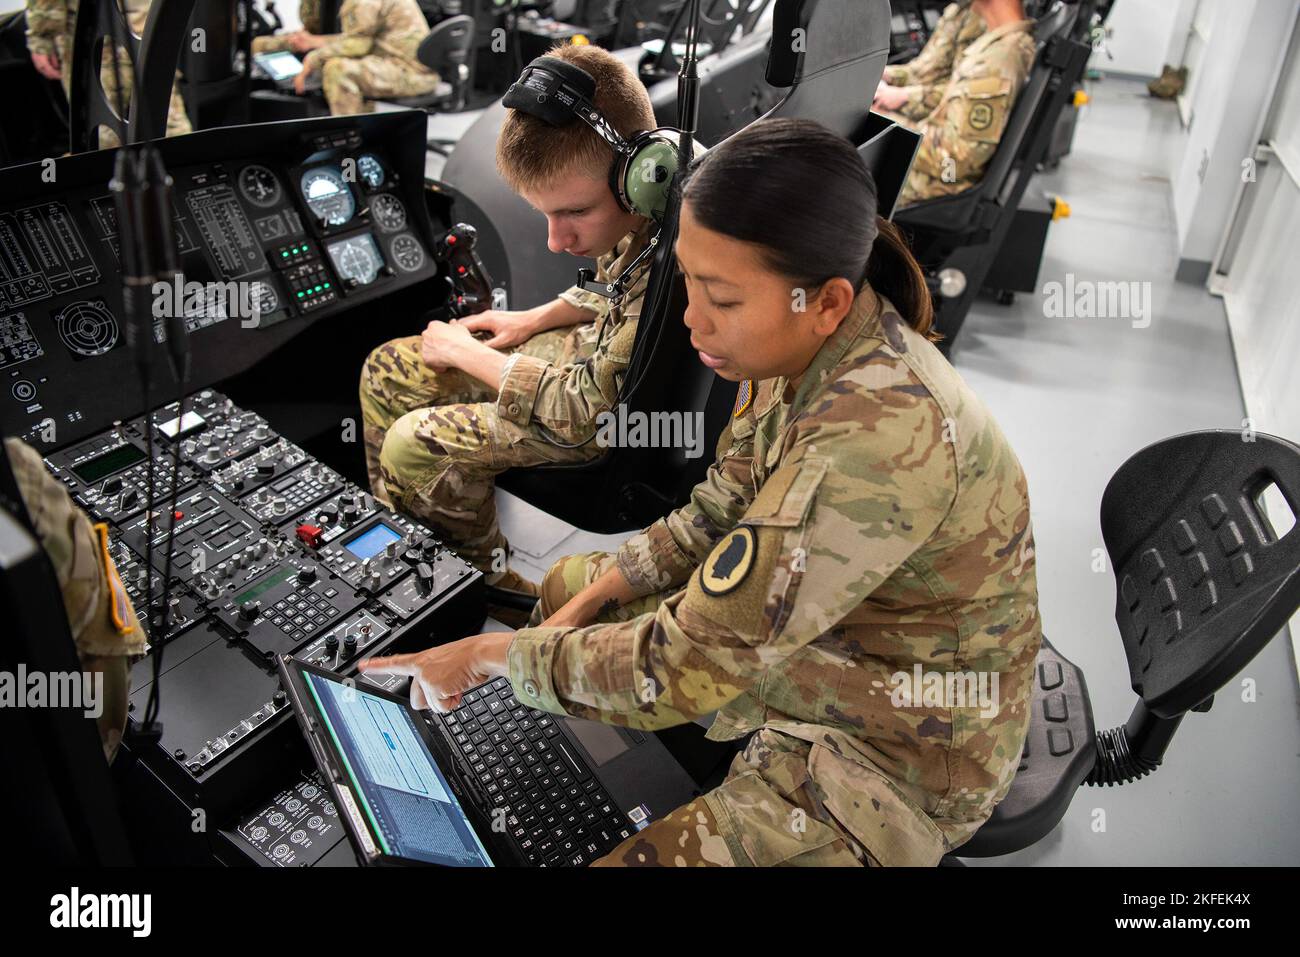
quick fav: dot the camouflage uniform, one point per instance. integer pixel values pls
(374, 56)
(100, 616)
(960, 137)
(925, 77)
(435, 441)
(50, 25)
(308, 12)
(866, 520)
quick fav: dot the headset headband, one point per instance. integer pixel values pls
(555, 92)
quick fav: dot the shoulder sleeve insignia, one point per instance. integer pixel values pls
(981, 116)
(744, 398)
(729, 562)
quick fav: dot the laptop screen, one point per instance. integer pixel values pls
(280, 65)
(409, 809)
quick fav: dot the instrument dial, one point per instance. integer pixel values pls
(388, 212)
(407, 252)
(357, 258)
(328, 196)
(259, 186)
(371, 170)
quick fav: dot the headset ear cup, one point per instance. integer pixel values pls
(646, 176)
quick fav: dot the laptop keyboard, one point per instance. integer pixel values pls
(557, 812)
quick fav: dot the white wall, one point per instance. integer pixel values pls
(1247, 39)
(1141, 36)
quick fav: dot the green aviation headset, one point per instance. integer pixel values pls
(557, 92)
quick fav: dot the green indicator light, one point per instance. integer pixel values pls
(327, 285)
(317, 289)
(285, 254)
(300, 295)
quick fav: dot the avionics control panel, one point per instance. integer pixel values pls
(272, 553)
(293, 223)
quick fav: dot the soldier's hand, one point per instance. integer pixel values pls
(300, 41)
(889, 98)
(439, 676)
(507, 328)
(442, 344)
(47, 65)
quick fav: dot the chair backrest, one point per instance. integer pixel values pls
(830, 55)
(448, 44)
(1203, 582)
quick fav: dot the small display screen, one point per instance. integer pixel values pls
(284, 574)
(372, 542)
(108, 463)
(189, 422)
(409, 809)
(279, 66)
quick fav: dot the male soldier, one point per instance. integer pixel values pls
(960, 137)
(374, 56)
(100, 615)
(50, 25)
(445, 413)
(914, 89)
(309, 13)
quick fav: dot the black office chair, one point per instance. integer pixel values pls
(1203, 584)
(446, 51)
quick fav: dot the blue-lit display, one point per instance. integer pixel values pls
(372, 542)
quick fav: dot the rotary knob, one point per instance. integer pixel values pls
(332, 643)
(261, 433)
(350, 645)
(350, 514)
(211, 456)
(250, 611)
(306, 574)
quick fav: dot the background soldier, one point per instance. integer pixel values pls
(50, 24)
(100, 615)
(960, 137)
(374, 56)
(914, 89)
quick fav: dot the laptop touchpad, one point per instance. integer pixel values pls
(602, 742)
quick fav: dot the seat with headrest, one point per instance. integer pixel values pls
(446, 51)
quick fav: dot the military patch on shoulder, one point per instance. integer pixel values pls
(981, 116)
(744, 398)
(118, 603)
(729, 562)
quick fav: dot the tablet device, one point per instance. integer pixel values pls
(399, 794)
(281, 65)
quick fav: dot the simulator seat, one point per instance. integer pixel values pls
(844, 54)
(446, 51)
(963, 233)
(1202, 585)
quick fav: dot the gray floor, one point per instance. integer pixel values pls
(1076, 397)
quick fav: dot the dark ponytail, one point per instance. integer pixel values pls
(894, 272)
(805, 198)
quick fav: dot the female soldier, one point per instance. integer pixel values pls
(858, 564)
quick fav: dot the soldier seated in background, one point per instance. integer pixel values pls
(50, 24)
(445, 413)
(100, 616)
(374, 56)
(914, 89)
(959, 138)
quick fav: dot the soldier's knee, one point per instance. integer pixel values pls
(336, 72)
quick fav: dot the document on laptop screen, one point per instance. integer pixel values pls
(405, 798)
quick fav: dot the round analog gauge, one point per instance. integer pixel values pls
(259, 186)
(356, 259)
(407, 252)
(370, 170)
(328, 197)
(389, 212)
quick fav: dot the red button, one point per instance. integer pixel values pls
(178, 515)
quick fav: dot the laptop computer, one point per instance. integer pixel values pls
(281, 67)
(493, 783)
